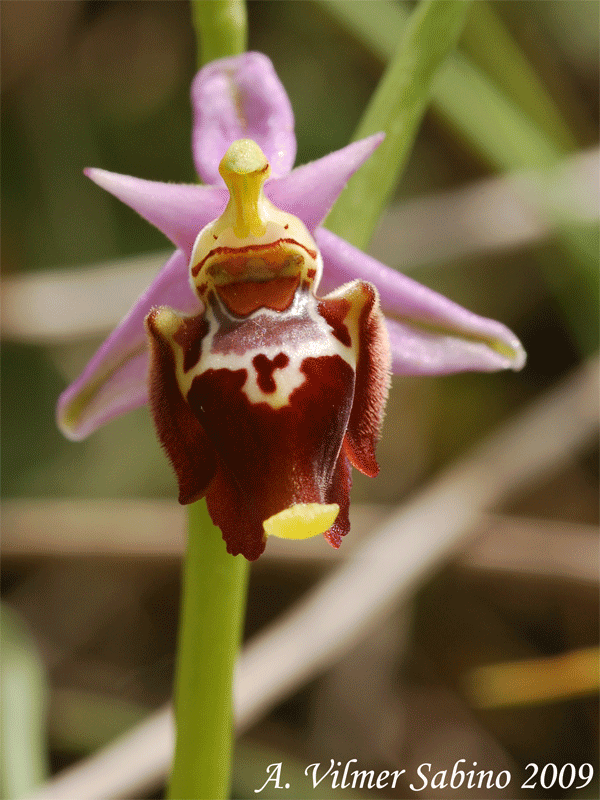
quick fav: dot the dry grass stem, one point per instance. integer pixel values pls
(156, 529)
(490, 215)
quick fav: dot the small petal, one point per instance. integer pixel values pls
(353, 314)
(339, 492)
(187, 445)
(179, 210)
(241, 98)
(310, 191)
(372, 382)
(114, 381)
(430, 334)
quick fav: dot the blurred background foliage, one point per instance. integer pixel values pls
(90, 83)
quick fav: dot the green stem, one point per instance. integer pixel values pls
(488, 121)
(214, 592)
(214, 582)
(491, 47)
(23, 706)
(221, 28)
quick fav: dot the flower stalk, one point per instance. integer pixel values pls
(221, 28)
(214, 600)
(214, 586)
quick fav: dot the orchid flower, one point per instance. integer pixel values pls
(264, 393)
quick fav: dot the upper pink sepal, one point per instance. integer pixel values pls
(241, 98)
(179, 210)
(310, 191)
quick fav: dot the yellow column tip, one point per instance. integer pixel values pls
(243, 157)
(245, 168)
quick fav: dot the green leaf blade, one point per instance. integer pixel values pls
(397, 107)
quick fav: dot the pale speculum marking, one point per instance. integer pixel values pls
(269, 346)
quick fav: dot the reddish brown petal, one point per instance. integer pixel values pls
(179, 431)
(355, 318)
(372, 384)
(339, 492)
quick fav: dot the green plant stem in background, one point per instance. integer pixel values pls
(23, 704)
(397, 107)
(487, 121)
(221, 28)
(490, 45)
(214, 595)
(214, 582)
